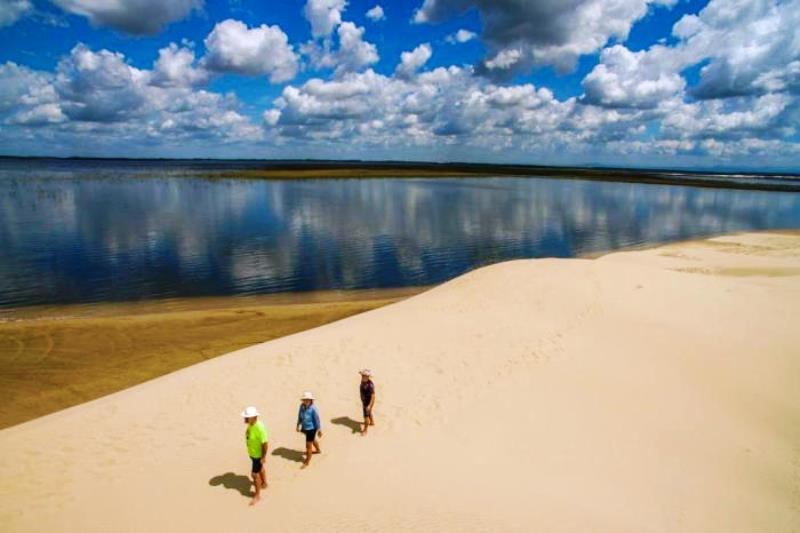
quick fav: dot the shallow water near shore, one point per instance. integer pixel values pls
(72, 235)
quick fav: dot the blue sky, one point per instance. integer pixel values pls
(628, 82)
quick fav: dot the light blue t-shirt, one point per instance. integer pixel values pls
(308, 418)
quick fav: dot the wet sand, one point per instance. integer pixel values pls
(55, 357)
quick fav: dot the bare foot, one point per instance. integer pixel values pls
(304, 465)
(255, 500)
(264, 485)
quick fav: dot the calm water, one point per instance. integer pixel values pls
(80, 232)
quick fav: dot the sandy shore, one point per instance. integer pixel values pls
(58, 356)
(652, 390)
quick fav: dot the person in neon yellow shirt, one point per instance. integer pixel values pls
(256, 438)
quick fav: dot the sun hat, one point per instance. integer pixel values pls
(250, 412)
(307, 395)
(365, 372)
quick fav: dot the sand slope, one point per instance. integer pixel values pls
(654, 390)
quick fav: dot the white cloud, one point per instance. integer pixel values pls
(352, 54)
(543, 32)
(461, 36)
(40, 115)
(750, 49)
(376, 13)
(752, 45)
(272, 116)
(444, 105)
(21, 85)
(766, 115)
(13, 10)
(633, 79)
(635, 103)
(506, 59)
(29, 96)
(175, 67)
(452, 107)
(412, 61)
(140, 17)
(99, 96)
(100, 86)
(265, 50)
(324, 16)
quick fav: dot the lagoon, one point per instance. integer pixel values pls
(79, 232)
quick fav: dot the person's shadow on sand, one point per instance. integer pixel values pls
(233, 482)
(290, 455)
(346, 421)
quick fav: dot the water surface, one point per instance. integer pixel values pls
(87, 231)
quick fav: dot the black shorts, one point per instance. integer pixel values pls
(367, 411)
(257, 466)
(310, 434)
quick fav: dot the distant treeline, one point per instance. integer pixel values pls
(320, 169)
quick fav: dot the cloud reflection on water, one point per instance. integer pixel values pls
(69, 238)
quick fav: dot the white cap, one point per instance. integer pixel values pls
(250, 412)
(307, 395)
(365, 372)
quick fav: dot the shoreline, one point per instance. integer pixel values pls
(643, 387)
(54, 357)
(189, 329)
(360, 170)
(198, 303)
(771, 181)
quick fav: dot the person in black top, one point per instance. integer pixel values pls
(367, 390)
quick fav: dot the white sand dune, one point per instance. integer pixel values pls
(654, 390)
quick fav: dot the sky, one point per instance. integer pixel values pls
(669, 83)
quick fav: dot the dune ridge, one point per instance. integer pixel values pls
(652, 390)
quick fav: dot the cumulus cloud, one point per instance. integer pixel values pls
(176, 67)
(39, 115)
(454, 107)
(749, 48)
(13, 10)
(97, 95)
(352, 54)
(100, 86)
(736, 118)
(634, 102)
(752, 45)
(412, 61)
(543, 32)
(376, 13)
(444, 105)
(28, 96)
(139, 17)
(461, 36)
(324, 16)
(633, 79)
(232, 47)
(17, 83)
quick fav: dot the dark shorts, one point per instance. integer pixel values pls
(367, 411)
(257, 466)
(310, 434)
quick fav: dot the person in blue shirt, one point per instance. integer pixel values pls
(308, 423)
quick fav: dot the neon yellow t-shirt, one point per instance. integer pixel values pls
(255, 436)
